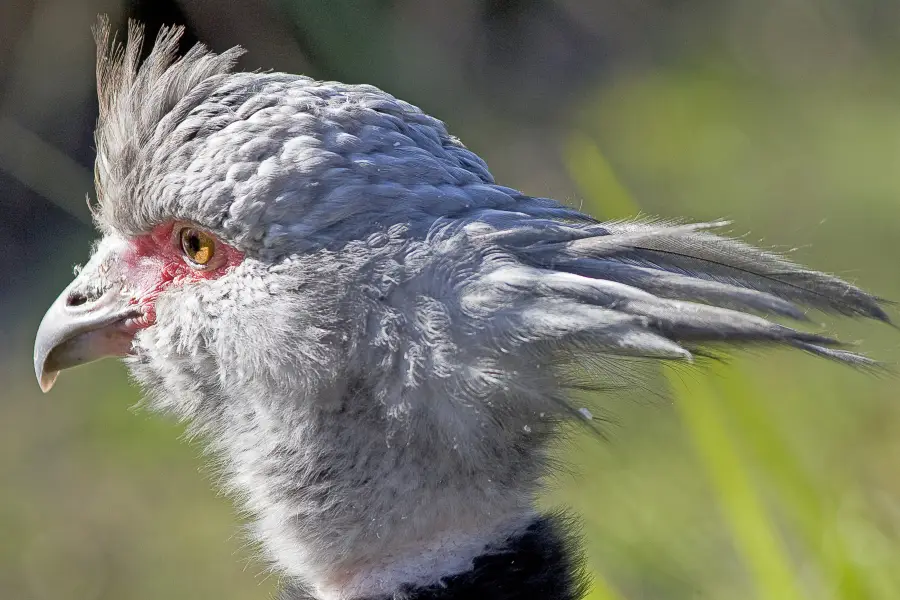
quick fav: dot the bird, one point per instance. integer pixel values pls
(377, 341)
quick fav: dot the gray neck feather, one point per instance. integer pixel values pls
(351, 506)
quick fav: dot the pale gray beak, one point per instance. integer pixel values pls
(88, 321)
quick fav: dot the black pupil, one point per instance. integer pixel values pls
(193, 243)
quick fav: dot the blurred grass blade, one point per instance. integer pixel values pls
(607, 198)
(602, 590)
(796, 491)
(755, 536)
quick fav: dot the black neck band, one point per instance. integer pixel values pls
(542, 563)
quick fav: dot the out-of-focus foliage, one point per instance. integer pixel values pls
(771, 476)
(775, 479)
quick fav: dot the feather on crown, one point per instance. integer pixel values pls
(140, 103)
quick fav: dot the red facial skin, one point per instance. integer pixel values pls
(155, 262)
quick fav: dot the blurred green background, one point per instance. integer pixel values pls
(773, 476)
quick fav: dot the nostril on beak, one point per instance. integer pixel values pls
(76, 299)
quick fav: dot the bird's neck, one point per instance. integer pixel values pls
(542, 562)
(355, 503)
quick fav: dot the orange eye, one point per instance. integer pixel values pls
(198, 247)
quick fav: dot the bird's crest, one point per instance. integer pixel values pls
(135, 98)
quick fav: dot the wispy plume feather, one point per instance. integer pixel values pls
(136, 98)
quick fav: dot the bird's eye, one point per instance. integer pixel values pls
(198, 247)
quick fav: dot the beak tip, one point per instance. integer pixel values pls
(47, 379)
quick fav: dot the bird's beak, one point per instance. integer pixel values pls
(90, 320)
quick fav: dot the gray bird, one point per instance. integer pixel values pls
(376, 338)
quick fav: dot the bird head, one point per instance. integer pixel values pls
(375, 337)
(250, 222)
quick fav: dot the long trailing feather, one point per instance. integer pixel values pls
(655, 289)
(693, 250)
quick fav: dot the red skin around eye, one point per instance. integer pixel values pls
(155, 262)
